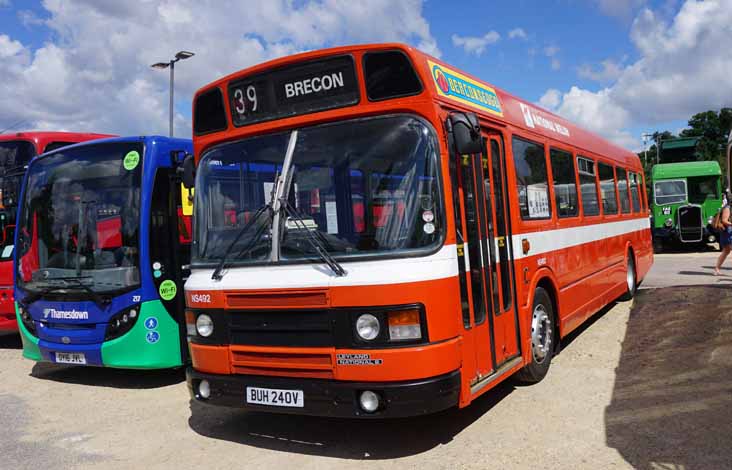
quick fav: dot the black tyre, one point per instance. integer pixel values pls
(631, 279)
(657, 245)
(542, 338)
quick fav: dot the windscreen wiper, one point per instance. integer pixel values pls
(100, 301)
(316, 240)
(218, 272)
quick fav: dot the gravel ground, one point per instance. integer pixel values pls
(642, 385)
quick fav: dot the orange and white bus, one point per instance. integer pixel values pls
(377, 234)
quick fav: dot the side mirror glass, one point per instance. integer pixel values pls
(189, 171)
(466, 133)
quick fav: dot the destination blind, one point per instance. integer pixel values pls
(294, 90)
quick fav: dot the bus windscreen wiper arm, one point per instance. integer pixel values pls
(98, 299)
(314, 239)
(217, 274)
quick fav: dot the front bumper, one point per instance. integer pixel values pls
(334, 398)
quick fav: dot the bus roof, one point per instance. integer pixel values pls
(664, 171)
(148, 139)
(42, 138)
(512, 111)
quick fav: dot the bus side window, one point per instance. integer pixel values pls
(531, 179)
(588, 186)
(607, 189)
(623, 190)
(565, 184)
(56, 145)
(635, 192)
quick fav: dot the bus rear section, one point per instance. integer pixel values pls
(16, 151)
(100, 250)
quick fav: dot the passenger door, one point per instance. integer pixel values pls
(489, 268)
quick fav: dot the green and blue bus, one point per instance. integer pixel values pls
(102, 244)
(686, 196)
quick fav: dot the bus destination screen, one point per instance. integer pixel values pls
(294, 90)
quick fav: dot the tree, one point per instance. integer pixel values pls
(713, 128)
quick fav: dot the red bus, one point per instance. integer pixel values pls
(16, 150)
(402, 236)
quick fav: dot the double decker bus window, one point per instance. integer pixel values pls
(531, 178)
(623, 190)
(389, 75)
(588, 186)
(565, 184)
(607, 189)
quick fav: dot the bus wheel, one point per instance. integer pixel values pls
(542, 338)
(630, 278)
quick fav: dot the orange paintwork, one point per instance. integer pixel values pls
(584, 277)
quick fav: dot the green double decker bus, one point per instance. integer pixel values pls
(686, 196)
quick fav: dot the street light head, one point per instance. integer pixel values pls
(160, 65)
(184, 55)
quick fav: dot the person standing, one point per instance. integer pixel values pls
(725, 235)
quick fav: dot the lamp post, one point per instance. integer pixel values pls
(645, 136)
(182, 55)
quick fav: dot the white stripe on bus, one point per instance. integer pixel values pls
(440, 265)
(563, 238)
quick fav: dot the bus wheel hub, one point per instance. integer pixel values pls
(541, 333)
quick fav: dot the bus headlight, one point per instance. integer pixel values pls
(668, 222)
(26, 319)
(204, 325)
(367, 327)
(120, 323)
(404, 325)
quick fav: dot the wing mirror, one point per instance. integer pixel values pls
(465, 130)
(188, 171)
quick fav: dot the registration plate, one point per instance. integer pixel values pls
(275, 397)
(70, 358)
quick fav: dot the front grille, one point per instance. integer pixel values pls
(690, 223)
(283, 328)
(317, 365)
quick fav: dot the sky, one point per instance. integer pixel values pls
(617, 67)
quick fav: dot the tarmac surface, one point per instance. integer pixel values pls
(644, 384)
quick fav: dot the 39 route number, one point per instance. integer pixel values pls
(244, 100)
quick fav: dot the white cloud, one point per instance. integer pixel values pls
(4, 3)
(96, 73)
(551, 99)
(9, 47)
(594, 111)
(609, 71)
(476, 44)
(685, 67)
(28, 18)
(517, 33)
(551, 52)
